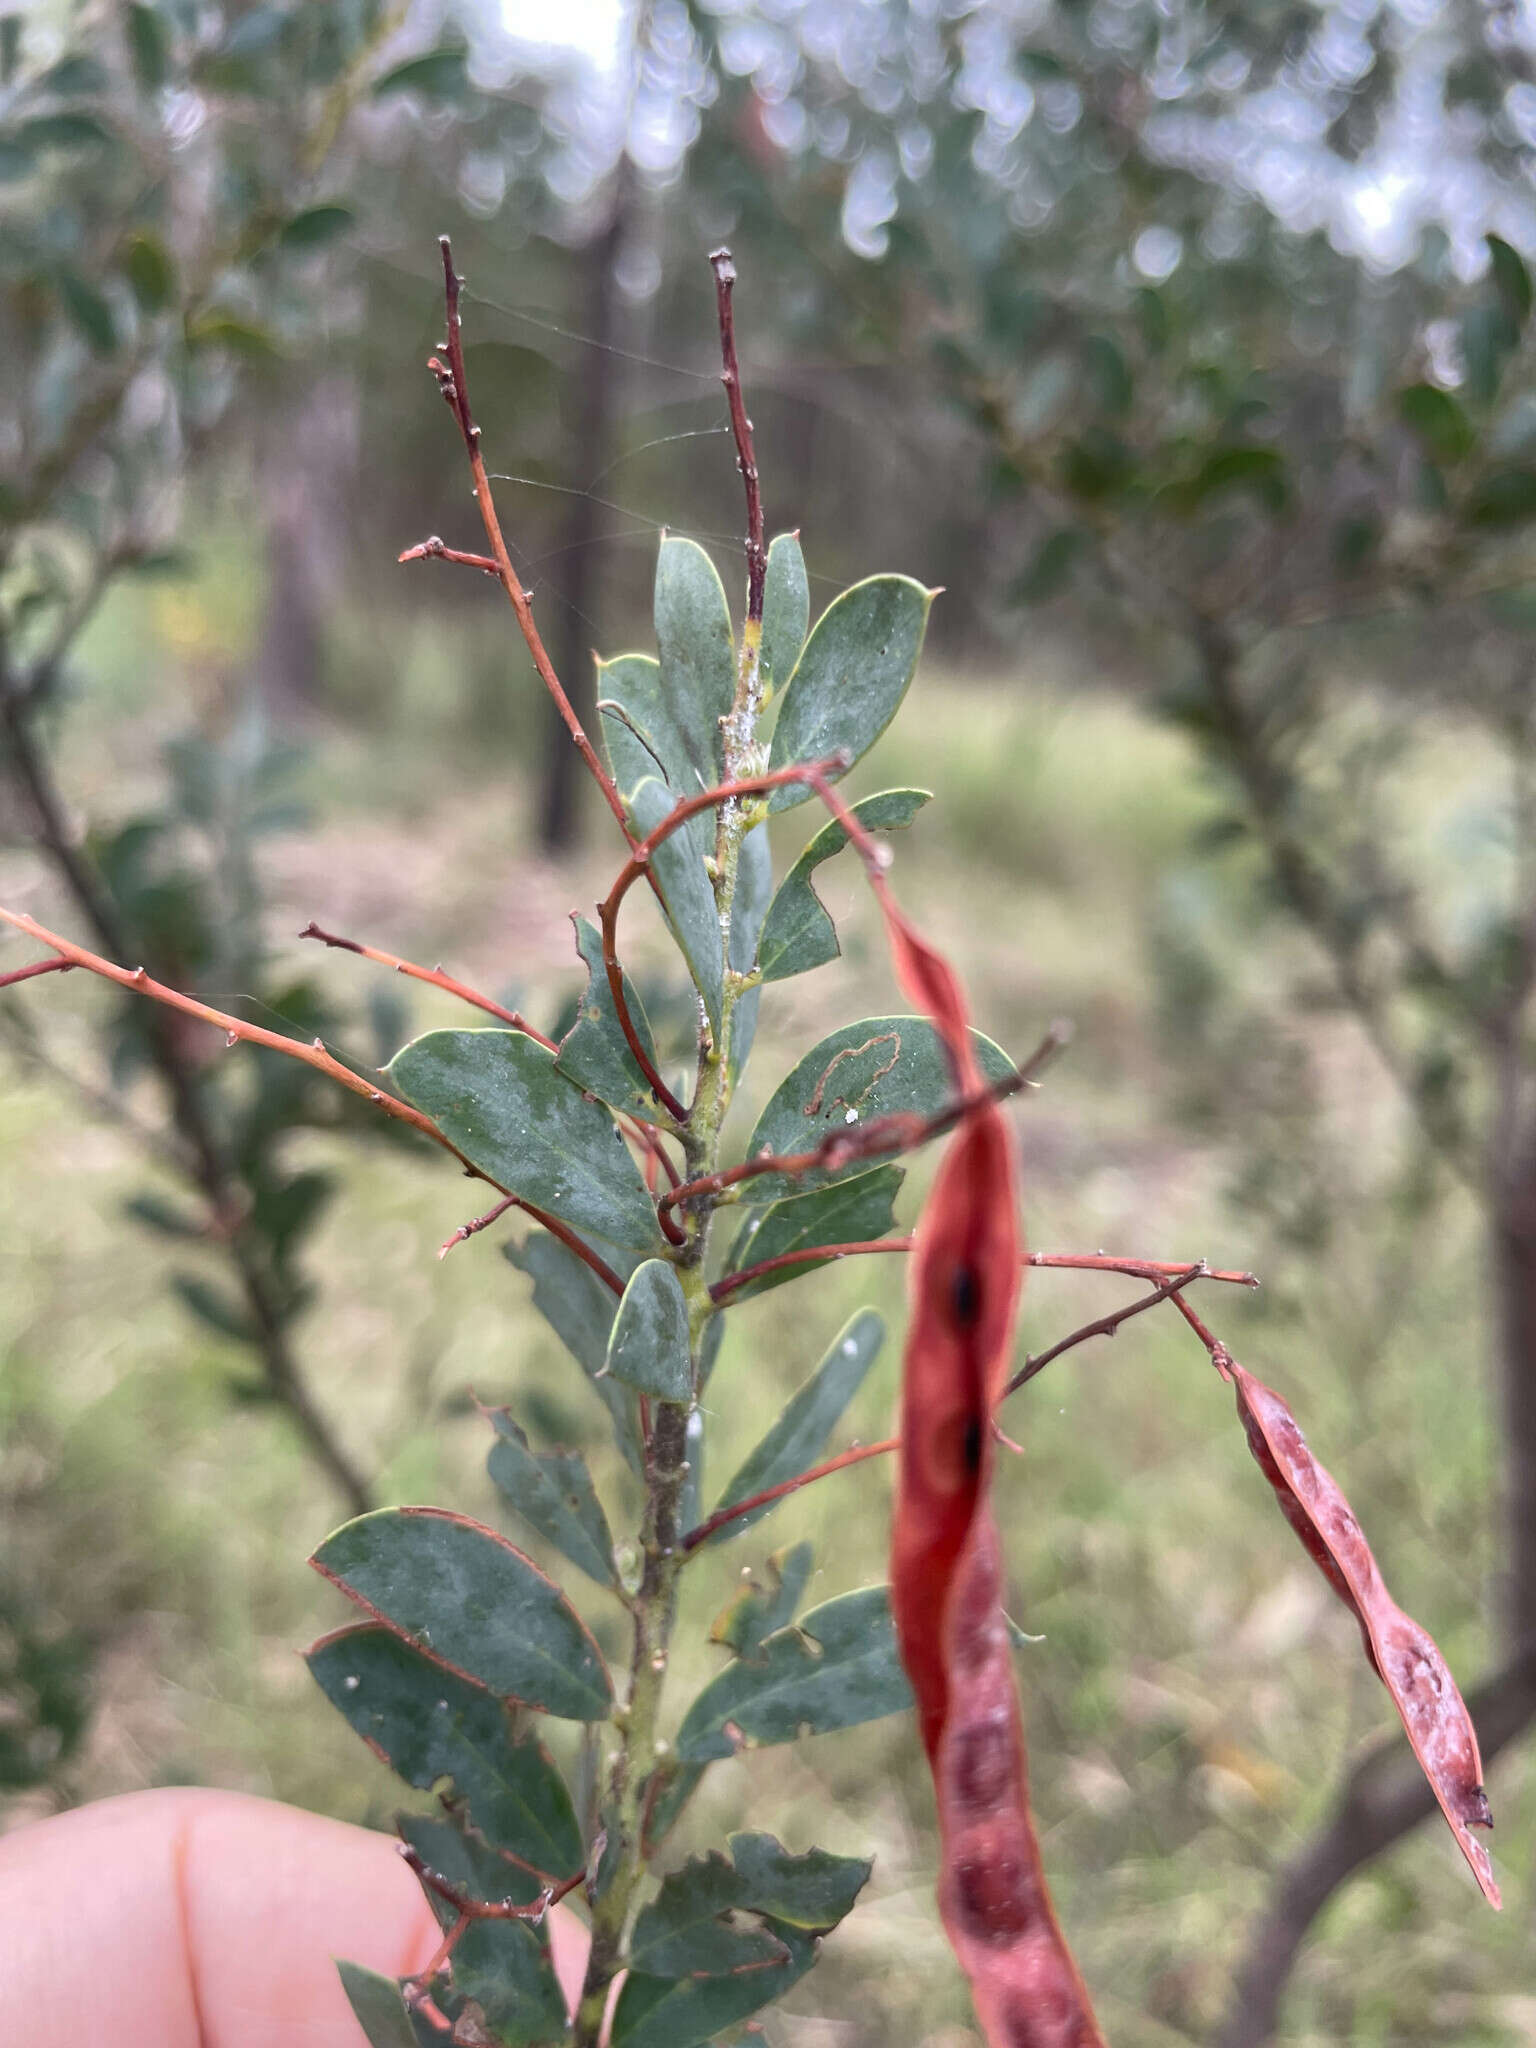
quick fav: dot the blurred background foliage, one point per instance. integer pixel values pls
(1191, 348)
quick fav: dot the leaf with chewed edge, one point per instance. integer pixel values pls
(429, 1724)
(554, 1494)
(1404, 1655)
(836, 1668)
(798, 934)
(466, 1598)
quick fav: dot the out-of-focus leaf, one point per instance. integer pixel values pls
(836, 1668)
(1049, 570)
(786, 609)
(165, 1217)
(594, 1053)
(580, 1310)
(149, 46)
(797, 933)
(316, 226)
(429, 1724)
(148, 267)
(498, 1097)
(463, 1594)
(1511, 278)
(72, 130)
(1438, 420)
(876, 1067)
(553, 1492)
(850, 678)
(227, 330)
(648, 1348)
(1505, 498)
(213, 1308)
(89, 312)
(849, 1212)
(439, 75)
(696, 651)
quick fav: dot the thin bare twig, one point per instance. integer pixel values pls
(1090, 1262)
(769, 1494)
(435, 549)
(36, 967)
(455, 390)
(741, 428)
(434, 975)
(1105, 1326)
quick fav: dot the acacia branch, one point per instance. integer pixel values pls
(141, 982)
(1089, 1262)
(54, 966)
(455, 390)
(434, 549)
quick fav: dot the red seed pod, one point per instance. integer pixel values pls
(1403, 1655)
(946, 1564)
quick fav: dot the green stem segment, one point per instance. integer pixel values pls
(623, 1861)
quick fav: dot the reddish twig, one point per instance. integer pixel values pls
(1105, 1326)
(235, 1028)
(1092, 1262)
(741, 428)
(468, 1911)
(900, 1132)
(738, 1508)
(434, 549)
(455, 390)
(637, 865)
(55, 966)
(434, 975)
(466, 1230)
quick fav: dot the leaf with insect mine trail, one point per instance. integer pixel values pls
(503, 1965)
(498, 1097)
(880, 1066)
(849, 1212)
(648, 1348)
(795, 1439)
(798, 934)
(851, 677)
(554, 1494)
(580, 1309)
(465, 1597)
(836, 1668)
(429, 1725)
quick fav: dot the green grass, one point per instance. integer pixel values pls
(1197, 1690)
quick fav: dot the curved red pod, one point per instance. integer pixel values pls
(1404, 1655)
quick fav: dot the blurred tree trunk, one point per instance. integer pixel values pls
(308, 450)
(578, 562)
